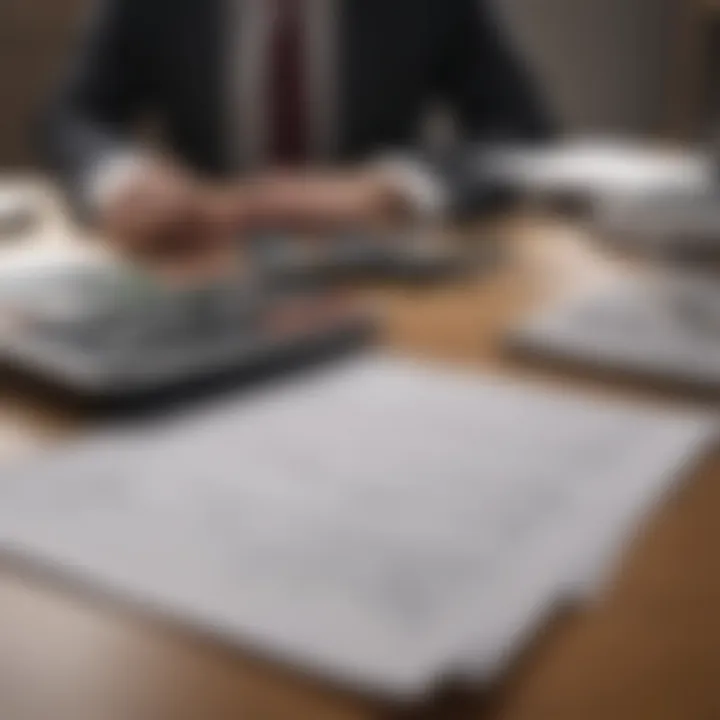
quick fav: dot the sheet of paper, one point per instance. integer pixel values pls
(381, 522)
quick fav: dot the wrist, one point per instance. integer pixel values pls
(418, 190)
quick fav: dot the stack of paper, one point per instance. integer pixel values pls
(382, 523)
(600, 168)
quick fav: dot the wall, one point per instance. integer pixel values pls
(34, 36)
(605, 63)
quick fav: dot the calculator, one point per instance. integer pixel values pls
(109, 331)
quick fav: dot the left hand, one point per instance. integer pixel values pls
(322, 202)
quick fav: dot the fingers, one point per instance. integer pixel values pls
(213, 261)
(173, 226)
(154, 210)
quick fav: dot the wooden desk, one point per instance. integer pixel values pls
(649, 650)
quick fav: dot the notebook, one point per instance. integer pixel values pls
(382, 523)
(631, 326)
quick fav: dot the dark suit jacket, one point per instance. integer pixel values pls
(166, 57)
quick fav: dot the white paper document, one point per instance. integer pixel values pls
(382, 523)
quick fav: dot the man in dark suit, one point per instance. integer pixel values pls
(264, 90)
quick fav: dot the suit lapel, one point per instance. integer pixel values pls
(195, 79)
(378, 70)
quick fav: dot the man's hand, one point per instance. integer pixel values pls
(164, 218)
(321, 202)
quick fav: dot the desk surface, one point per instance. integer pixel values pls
(650, 649)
